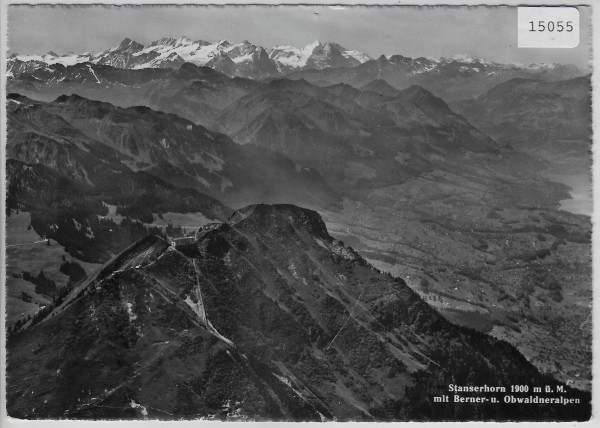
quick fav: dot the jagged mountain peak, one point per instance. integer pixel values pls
(328, 43)
(400, 59)
(126, 41)
(128, 44)
(163, 41)
(171, 41)
(223, 43)
(313, 45)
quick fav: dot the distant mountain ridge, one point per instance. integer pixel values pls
(249, 60)
(358, 137)
(66, 133)
(240, 59)
(530, 113)
(455, 78)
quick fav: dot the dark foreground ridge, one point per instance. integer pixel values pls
(268, 318)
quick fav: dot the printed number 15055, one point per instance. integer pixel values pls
(551, 26)
(548, 27)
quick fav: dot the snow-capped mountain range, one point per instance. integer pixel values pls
(245, 58)
(241, 59)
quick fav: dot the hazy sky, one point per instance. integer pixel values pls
(487, 32)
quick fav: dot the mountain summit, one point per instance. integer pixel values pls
(264, 317)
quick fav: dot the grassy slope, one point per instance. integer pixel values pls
(24, 253)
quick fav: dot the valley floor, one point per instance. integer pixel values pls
(491, 270)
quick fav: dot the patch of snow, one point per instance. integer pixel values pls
(466, 59)
(189, 51)
(243, 58)
(292, 56)
(135, 405)
(292, 269)
(93, 73)
(132, 316)
(65, 60)
(359, 56)
(539, 66)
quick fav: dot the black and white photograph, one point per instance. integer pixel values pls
(298, 213)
